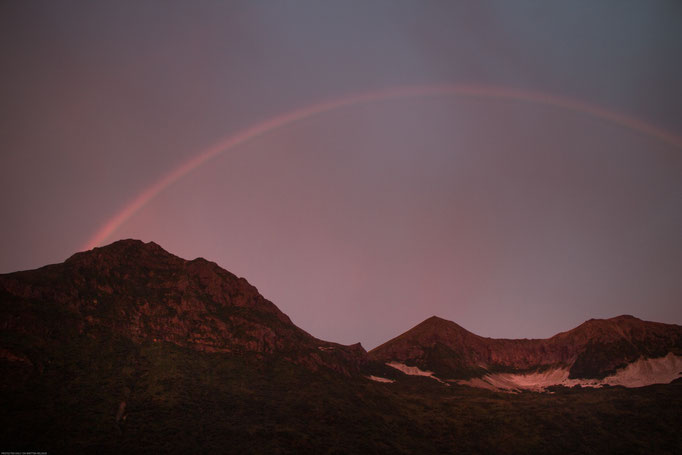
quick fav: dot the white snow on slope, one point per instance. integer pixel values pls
(380, 379)
(640, 373)
(648, 371)
(413, 371)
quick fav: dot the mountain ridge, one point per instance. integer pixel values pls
(141, 291)
(593, 350)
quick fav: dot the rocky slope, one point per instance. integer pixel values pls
(595, 350)
(139, 291)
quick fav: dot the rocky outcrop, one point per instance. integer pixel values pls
(140, 291)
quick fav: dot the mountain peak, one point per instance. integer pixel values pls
(435, 321)
(123, 251)
(434, 341)
(123, 244)
(438, 323)
(430, 330)
(142, 292)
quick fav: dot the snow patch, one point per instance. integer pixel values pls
(414, 371)
(380, 379)
(325, 348)
(640, 373)
(645, 372)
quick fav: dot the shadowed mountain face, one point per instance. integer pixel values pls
(594, 349)
(141, 292)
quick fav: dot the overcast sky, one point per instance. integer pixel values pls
(512, 216)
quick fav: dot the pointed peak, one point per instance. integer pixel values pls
(435, 326)
(436, 322)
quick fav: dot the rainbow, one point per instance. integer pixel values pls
(280, 121)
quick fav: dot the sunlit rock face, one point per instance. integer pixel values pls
(140, 291)
(618, 351)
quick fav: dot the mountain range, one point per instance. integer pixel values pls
(124, 342)
(619, 351)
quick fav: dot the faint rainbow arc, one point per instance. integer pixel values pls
(477, 91)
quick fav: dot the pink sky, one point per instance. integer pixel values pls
(512, 215)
